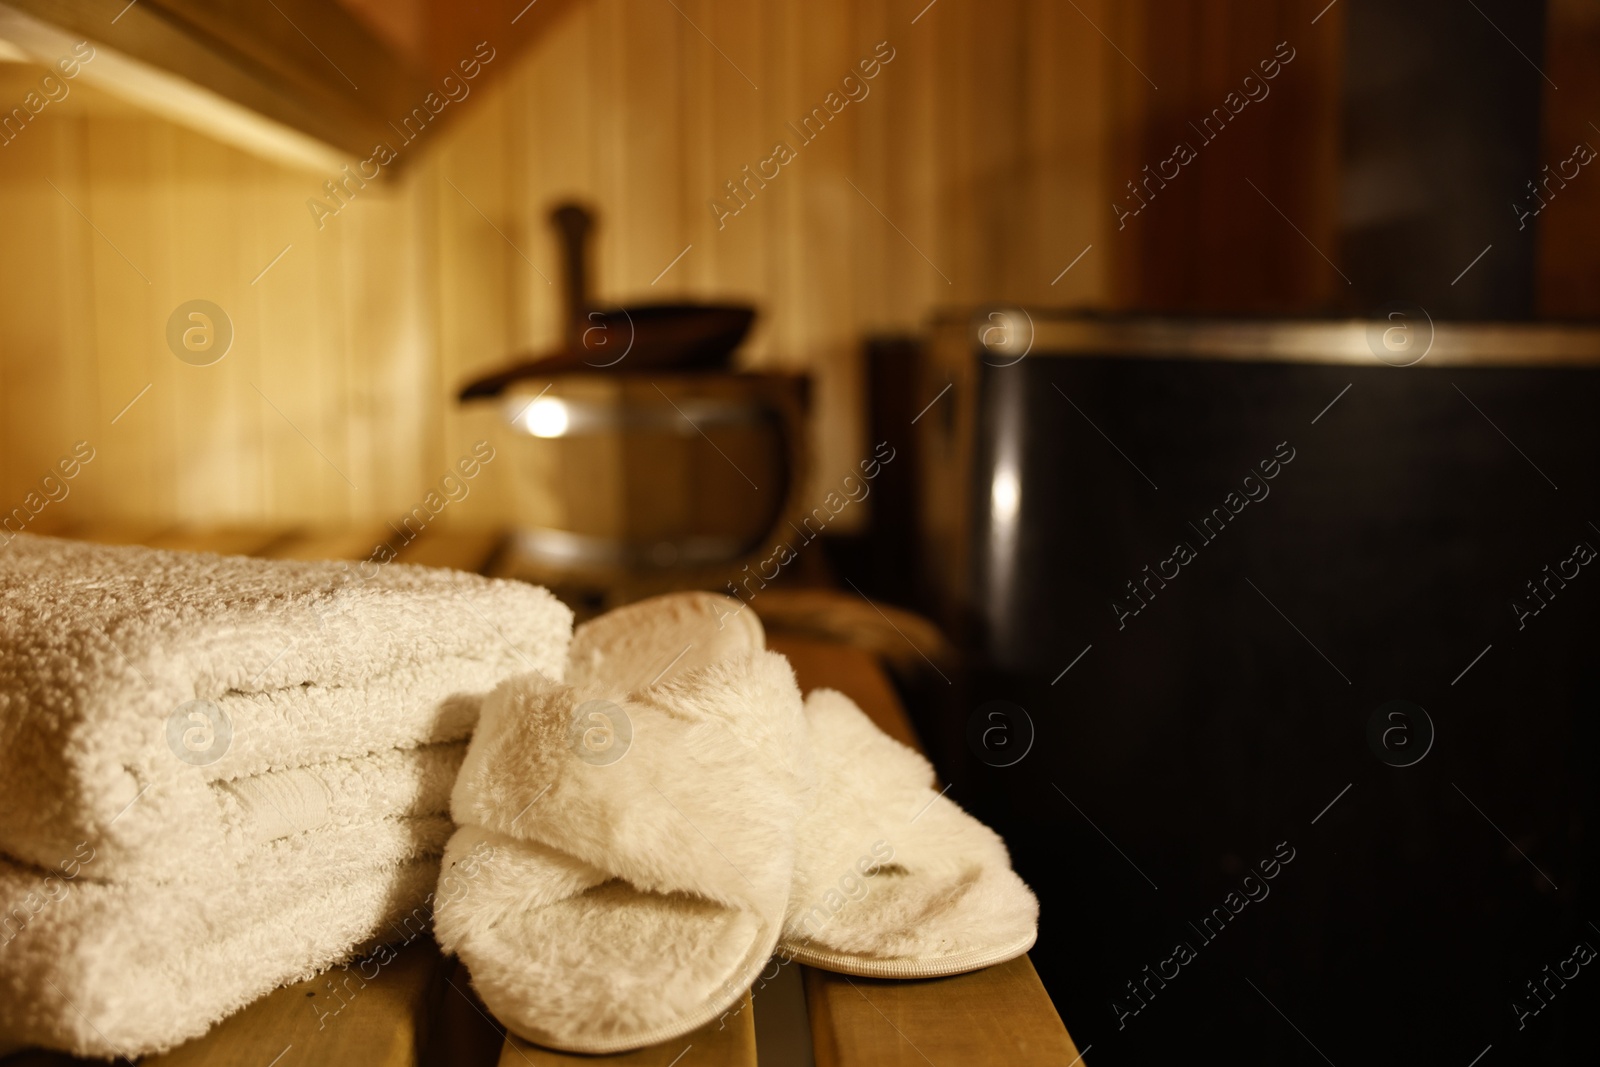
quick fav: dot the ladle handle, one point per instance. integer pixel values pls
(575, 223)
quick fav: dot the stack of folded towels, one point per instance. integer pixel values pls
(218, 775)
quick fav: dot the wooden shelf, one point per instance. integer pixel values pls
(422, 1010)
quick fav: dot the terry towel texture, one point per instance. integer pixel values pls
(131, 968)
(309, 662)
(150, 886)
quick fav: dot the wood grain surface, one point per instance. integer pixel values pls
(997, 1017)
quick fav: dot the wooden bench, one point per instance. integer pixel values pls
(422, 1010)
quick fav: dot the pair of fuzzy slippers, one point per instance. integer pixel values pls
(638, 840)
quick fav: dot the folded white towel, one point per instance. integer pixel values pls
(345, 792)
(103, 649)
(131, 968)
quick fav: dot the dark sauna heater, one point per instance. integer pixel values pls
(1287, 637)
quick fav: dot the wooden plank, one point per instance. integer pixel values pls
(39, 1057)
(464, 550)
(902, 640)
(997, 1017)
(380, 1024)
(723, 1043)
(1001, 1015)
(854, 673)
(223, 540)
(353, 542)
(117, 532)
(110, 185)
(1568, 261)
(467, 550)
(463, 1031)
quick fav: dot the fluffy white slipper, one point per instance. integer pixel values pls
(892, 879)
(640, 823)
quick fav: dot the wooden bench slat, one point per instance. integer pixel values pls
(464, 1034)
(117, 531)
(223, 540)
(380, 1024)
(42, 1057)
(1000, 1015)
(997, 1017)
(464, 550)
(852, 671)
(727, 1042)
(351, 543)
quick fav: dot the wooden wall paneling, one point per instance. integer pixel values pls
(549, 126)
(35, 418)
(279, 220)
(775, 238)
(874, 165)
(910, 86)
(302, 379)
(283, 298)
(391, 372)
(455, 29)
(68, 310)
(824, 281)
(1125, 117)
(1008, 248)
(522, 280)
(350, 426)
(1318, 102)
(206, 457)
(958, 226)
(558, 123)
(649, 229)
(1066, 131)
(1568, 256)
(480, 242)
(361, 334)
(119, 157)
(964, 39)
(657, 497)
(317, 409)
(372, 263)
(730, 124)
(1207, 241)
(699, 113)
(439, 384)
(150, 215)
(608, 143)
(61, 329)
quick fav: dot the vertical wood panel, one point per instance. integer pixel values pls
(982, 143)
(118, 156)
(1568, 262)
(1205, 240)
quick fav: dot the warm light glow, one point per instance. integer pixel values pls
(1005, 496)
(546, 417)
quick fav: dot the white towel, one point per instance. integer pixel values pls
(132, 968)
(346, 792)
(103, 649)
